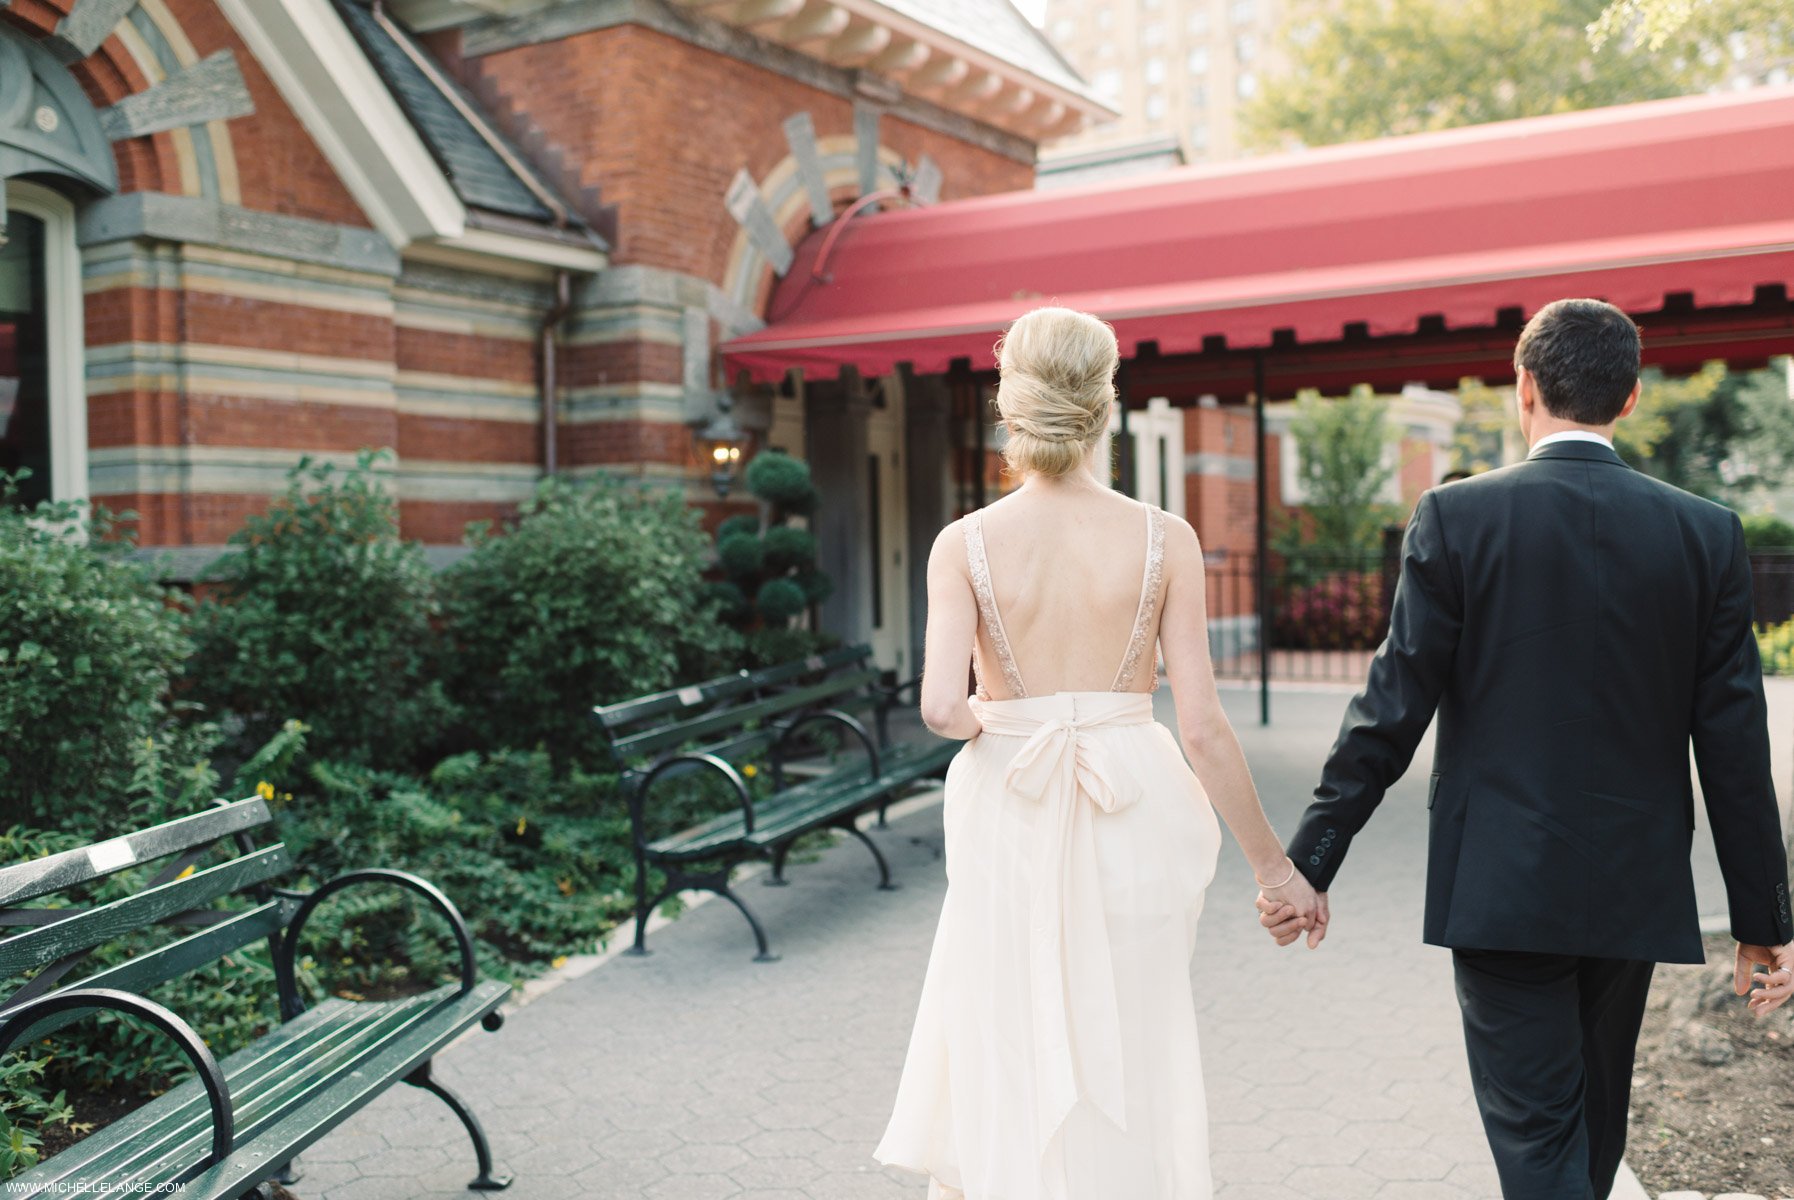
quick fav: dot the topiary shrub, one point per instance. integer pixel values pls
(772, 561)
(89, 644)
(594, 593)
(325, 614)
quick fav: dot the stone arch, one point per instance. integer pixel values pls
(800, 193)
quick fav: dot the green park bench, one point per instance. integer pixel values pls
(240, 1122)
(710, 727)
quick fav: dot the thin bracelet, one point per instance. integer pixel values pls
(1274, 886)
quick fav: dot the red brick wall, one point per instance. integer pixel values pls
(662, 126)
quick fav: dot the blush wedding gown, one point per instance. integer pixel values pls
(1054, 1055)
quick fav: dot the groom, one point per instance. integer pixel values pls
(1575, 623)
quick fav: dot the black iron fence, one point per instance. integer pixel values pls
(1329, 612)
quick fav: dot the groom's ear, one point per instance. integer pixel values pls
(1631, 401)
(1526, 388)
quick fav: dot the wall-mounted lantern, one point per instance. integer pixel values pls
(720, 441)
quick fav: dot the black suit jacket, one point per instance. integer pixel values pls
(1575, 624)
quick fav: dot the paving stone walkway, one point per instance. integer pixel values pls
(696, 1073)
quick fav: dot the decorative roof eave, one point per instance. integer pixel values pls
(922, 60)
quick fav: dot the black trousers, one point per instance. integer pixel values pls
(1551, 1039)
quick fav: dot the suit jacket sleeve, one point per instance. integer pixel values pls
(1385, 722)
(1731, 751)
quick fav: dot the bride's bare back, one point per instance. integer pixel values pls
(1074, 583)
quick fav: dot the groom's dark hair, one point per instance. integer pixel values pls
(1584, 357)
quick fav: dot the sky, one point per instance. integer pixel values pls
(1034, 10)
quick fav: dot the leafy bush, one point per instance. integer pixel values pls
(1766, 531)
(1775, 645)
(782, 481)
(779, 599)
(89, 643)
(595, 594)
(325, 614)
(1344, 611)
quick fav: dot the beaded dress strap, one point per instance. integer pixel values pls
(1154, 577)
(987, 603)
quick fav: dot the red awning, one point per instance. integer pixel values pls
(1690, 197)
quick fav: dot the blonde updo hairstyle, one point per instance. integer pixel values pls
(1057, 387)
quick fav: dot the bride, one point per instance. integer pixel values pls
(1054, 1055)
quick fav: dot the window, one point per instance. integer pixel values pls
(1198, 95)
(1198, 60)
(1155, 107)
(1152, 34)
(1245, 48)
(1107, 83)
(1199, 136)
(43, 405)
(1246, 86)
(1105, 18)
(1064, 29)
(1155, 70)
(1196, 24)
(1241, 12)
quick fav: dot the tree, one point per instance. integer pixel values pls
(1361, 69)
(1340, 462)
(1655, 24)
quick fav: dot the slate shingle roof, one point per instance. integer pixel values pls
(477, 172)
(1000, 30)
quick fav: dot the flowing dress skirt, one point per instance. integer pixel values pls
(1055, 1055)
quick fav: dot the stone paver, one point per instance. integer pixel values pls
(697, 1073)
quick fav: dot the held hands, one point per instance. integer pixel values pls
(1291, 908)
(1772, 990)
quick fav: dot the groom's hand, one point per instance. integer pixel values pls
(1285, 924)
(1771, 991)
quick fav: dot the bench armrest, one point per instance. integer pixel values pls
(15, 1022)
(666, 764)
(888, 696)
(290, 1004)
(832, 716)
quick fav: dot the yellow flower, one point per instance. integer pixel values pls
(750, 770)
(566, 886)
(265, 790)
(185, 873)
(559, 961)
(522, 823)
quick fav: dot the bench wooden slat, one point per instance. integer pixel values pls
(88, 928)
(265, 1079)
(677, 734)
(805, 806)
(152, 967)
(55, 872)
(617, 717)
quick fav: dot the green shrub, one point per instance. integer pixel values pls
(817, 586)
(89, 643)
(1775, 645)
(740, 523)
(740, 554)
(325, 614)
(595, 594)
(789, 548)
(781, 480)
(1766, 531)
(779, 599)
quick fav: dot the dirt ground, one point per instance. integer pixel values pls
(1713, 1092)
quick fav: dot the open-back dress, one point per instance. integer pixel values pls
(1054, 1055)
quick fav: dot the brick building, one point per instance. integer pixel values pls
(499, 237)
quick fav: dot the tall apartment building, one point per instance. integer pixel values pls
(1177, 69)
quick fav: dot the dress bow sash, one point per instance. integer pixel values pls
(1068, 766)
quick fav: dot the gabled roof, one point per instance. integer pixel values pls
(1000, 30)
(485, 170)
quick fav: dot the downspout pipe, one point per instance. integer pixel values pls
(551, 321)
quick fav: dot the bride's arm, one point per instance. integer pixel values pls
(952, 631)
(1207, 736)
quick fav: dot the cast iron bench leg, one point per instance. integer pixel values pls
(766, 955)
(485, 1181)
(885, 883)
(289, 1173)
(777, 876)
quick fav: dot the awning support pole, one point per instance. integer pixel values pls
(1124, 450)
(1263, 546)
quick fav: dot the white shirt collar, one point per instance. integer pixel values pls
(1570, 435)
